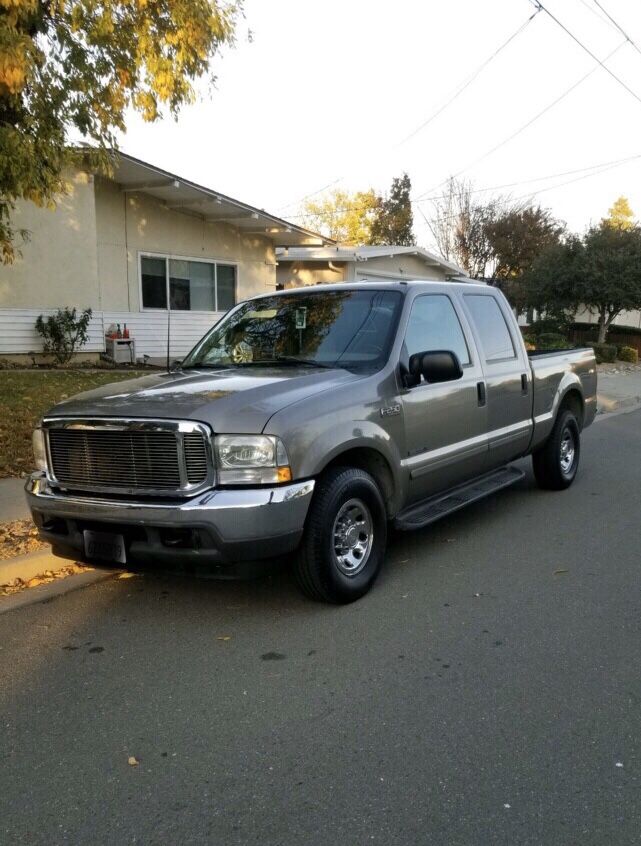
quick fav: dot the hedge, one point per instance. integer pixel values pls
(604, 352)
(628, 354)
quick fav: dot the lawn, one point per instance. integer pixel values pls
(26, 395)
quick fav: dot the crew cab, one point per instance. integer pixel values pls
(305, 422)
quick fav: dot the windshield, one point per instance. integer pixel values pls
(350, 329)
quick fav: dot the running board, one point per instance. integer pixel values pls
(423, 513)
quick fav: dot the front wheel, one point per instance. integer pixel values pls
(343, 547)
(556, 463)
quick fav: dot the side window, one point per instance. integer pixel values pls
(434, 325)
(491, 326)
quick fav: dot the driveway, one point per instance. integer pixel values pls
(487, 691)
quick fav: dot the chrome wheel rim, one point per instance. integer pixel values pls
(568, 451)
(352, 537)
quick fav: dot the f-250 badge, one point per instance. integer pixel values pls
(389, 410)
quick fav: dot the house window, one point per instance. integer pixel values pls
(187, 285)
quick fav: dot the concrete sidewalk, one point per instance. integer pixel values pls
(619, 386)
(13, 505)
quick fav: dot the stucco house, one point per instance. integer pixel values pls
(143, 248)
(157, 252)
(313, 264)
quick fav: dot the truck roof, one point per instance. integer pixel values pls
(379, 285)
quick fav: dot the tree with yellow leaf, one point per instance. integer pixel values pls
(342, 216)
(620, 215)
(76, 66)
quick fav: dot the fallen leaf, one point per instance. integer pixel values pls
(126, 575)
(224, 637)
(560, 572)
(133, 761)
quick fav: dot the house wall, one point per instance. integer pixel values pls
(58, 263)
(130, 224)
(296, 274)
(86, 254)
(626, 318)
(398, 267)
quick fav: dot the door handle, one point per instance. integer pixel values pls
(480, 393)
(524, 383)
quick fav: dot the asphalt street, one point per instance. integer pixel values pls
(487, 691)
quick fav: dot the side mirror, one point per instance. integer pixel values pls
(175, 365)
(434, 366)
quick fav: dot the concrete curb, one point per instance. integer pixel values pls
(621, 408)
(28, 565)
(29, 596)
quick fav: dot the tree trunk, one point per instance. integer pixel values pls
(603, 328)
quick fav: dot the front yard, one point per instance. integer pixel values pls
(26, 395)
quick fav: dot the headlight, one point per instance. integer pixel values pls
(251, 460)
(39, 451)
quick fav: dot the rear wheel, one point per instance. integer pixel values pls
(556, 463)
(343, 547)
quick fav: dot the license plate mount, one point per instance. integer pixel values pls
(105, 546)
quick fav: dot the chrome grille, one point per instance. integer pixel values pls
(163, 457)
(195, 457)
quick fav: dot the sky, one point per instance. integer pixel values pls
(332, 93)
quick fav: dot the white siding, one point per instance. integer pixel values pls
(148, 328)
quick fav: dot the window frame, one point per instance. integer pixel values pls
(477, 334)
(457, 313)
(172, 256)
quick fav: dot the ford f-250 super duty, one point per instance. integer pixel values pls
(306, 421)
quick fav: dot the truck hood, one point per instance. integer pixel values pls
(232, 400)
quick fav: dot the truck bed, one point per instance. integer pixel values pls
(552, 372)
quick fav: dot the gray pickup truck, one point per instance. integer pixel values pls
(305, 422)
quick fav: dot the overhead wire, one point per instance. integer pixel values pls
(466, 84)
(524, 126)
(617, 25)
(537, 4)
(456, 94)
(597, 168)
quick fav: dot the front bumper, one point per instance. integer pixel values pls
(215, 527)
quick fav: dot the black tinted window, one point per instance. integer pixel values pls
(491, 326)
(434, 325)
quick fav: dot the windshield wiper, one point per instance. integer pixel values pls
(308, 362)
(208, 366)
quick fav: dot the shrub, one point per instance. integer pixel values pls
(551, 341)
(628, 354)
(549, 325)
(64, 333)
(604, 352)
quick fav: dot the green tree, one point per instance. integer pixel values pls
(344, 217)
(516, 237)
(76, 67)
(601, 271)
(620, 215)
(393, 219)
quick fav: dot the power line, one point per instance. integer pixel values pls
(618, 26)
(613, 162)
(597, 168)
(540, 5)
(526, 125)
(433, 116)
(509, 201)
(466, 84)
(594, 12)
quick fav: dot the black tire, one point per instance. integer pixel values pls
(319, 570)
(550, 463)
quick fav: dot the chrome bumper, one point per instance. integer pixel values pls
(243, 524)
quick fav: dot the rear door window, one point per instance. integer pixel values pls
(491, 326)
